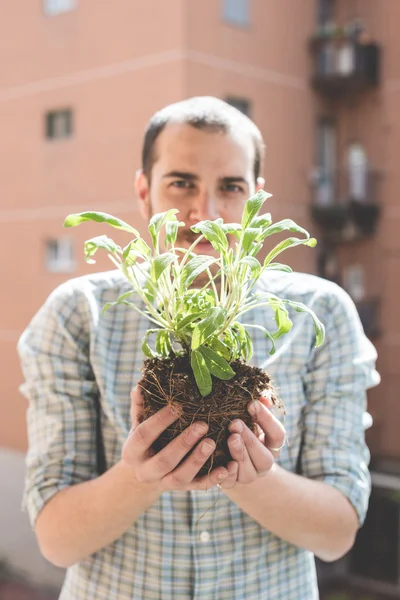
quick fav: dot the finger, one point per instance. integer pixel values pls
(165, 461)
(259, 455)
(206, 482)
(137, 402)
(246, 472)
(266, 398)
(144, 435)
(231, 480)
(187, 471)
(273, 429)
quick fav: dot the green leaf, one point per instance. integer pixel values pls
(261, 221)
(135, 248)
(201, 372)
(281, 318)
(289, 243)
(147, 351)
(171, 227)
(266, 333)
(279, 267)
(99, 217)
(193, 268)
(208, 326)
(216, 364)
(250, 236)
(319, 327)
(163, 344)
(255, 249)
(285, 225)
(252, 207)
(150, 289)
(214, 233)
(220, 347)
(103, 242)
(271, 338)
(233, 228)
(121, 300)
(248, 346)
(158, 220)
(232, 342)
(188, 320)
(253, 263)
(160, 263)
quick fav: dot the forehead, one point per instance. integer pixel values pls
(181, 146)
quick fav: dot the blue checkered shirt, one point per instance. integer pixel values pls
(71, 354)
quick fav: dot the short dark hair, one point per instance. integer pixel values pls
(203, 112)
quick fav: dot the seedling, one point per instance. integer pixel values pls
(199, 344)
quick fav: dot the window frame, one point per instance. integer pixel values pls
(235, 101)
(228, 19)
(53, 12)
(59, 263)
(50, 117)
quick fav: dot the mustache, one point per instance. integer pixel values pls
(186, 235)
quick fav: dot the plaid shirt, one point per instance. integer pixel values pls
(70, 354)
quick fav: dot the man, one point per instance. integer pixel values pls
(143, 529)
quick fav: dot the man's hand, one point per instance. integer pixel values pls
(161, 470)
(255, 455)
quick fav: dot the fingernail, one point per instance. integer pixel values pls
(199, 430)
(253, 407)
(207, 448)
(237, 426)
(175, 409)
(222, 476)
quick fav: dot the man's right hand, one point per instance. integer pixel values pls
(161, 470)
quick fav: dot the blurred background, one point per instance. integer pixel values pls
(321, 78)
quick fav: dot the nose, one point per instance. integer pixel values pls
(204, 208)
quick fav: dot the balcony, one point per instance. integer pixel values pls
(344, 66)
(345, 204)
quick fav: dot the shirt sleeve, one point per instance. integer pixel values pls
(60, 388)
(341, 370)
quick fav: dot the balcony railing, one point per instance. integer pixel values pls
(345, 203)
(344, 66)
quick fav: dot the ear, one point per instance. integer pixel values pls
(143, 194)
(260, 183)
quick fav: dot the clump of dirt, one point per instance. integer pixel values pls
(171, 382)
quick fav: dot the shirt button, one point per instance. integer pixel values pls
(205, 536)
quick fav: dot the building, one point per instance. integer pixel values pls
(78, 81)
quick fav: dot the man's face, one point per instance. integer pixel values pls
(202, 173)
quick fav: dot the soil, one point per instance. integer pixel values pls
(171, 382)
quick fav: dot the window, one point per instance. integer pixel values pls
(325, 176)
(357, 164)
(354, 282)
(59, 124)
(236, 12)
(60, 255)
(55, 7)
(326, 12)
(240, 103)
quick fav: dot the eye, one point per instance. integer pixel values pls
(232, 188)
(183, 184)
